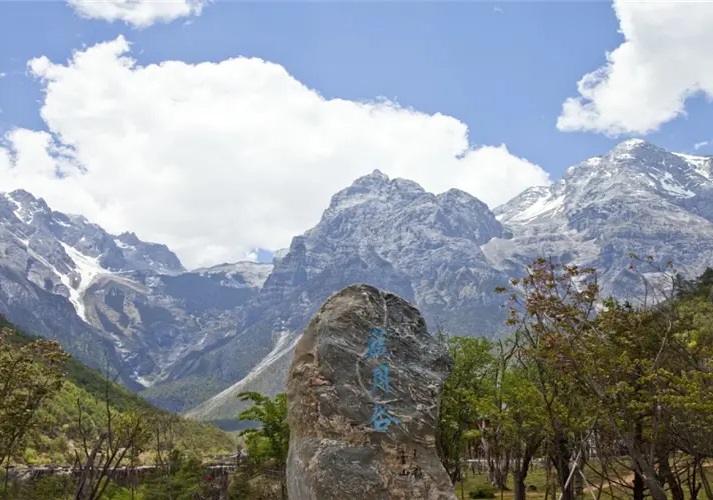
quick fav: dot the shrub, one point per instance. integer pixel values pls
(484, 491)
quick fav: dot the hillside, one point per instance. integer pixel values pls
(58, 436)
(189, 340)
(447, 253)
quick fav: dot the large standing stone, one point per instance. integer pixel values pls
(363, 396)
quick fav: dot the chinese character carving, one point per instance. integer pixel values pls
(381, 419)
(380, 378)
(377, 343)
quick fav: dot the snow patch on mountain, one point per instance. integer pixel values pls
(21, 212)
(122, 245)
(703, 165)
(87, 268)
(253, 274)
(547, 204)
(352, 201)
(673, 187)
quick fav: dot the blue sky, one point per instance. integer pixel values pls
(503, 69)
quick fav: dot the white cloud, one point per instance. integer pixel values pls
(700, 145)
(215, 159)
(138, 13)
(666, 58)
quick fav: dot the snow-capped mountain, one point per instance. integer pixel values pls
(389, 233)
(196, 338)
(447, 253)
(113, 298)
(637, 198)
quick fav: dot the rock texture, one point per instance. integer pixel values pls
(389, 233)
(363, 395)
(198, 337)
(113, 297)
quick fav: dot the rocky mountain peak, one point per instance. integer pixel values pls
(20, 195)
(27, 206)
(457, 196)
(633, 145)
(129, 238)
(374, 188)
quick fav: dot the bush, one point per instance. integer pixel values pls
(484, 491)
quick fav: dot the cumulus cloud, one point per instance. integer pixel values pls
(215, 159)
(138, 13)
(665, 59)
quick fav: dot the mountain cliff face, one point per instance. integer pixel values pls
(447, 253)
(111, 299)
(635, 199)
(389, 233)
(216, 331)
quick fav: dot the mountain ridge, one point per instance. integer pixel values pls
(185, 335)
(541, 220)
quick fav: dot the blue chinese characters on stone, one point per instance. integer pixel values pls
(377, 344)
(380, 378)
(381, 419)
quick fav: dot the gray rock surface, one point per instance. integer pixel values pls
(389, 233)
(114, 299)
(195, 337)
(363, 395)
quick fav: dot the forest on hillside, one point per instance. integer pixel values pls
(588, 396)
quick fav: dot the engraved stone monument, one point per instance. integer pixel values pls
(363, 395)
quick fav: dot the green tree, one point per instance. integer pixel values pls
(548, 306)
(523, 424)
(120, 438)
(30, 375)
(462, 400)
(271, 440)
(636, 376)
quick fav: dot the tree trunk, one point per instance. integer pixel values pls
(639, 487)
(668, 475)
(693, 486)
(521, 470)
(706, 484)
(560, 459)
(644, 470)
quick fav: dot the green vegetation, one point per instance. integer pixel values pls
(57, 433)
(588, 396)
(55, 410)
(266, 446)
(612, 398)
(29, 375)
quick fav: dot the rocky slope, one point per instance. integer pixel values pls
(446, 253)
(637, 198)
(232, 327)
(110, 298)
(389, 233)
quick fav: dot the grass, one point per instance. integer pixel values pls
(537, 478)
(474, 481)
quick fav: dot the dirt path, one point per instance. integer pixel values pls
(629, 480)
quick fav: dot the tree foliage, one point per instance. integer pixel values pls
(587, 383)
(268, 443)
(29, 375)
